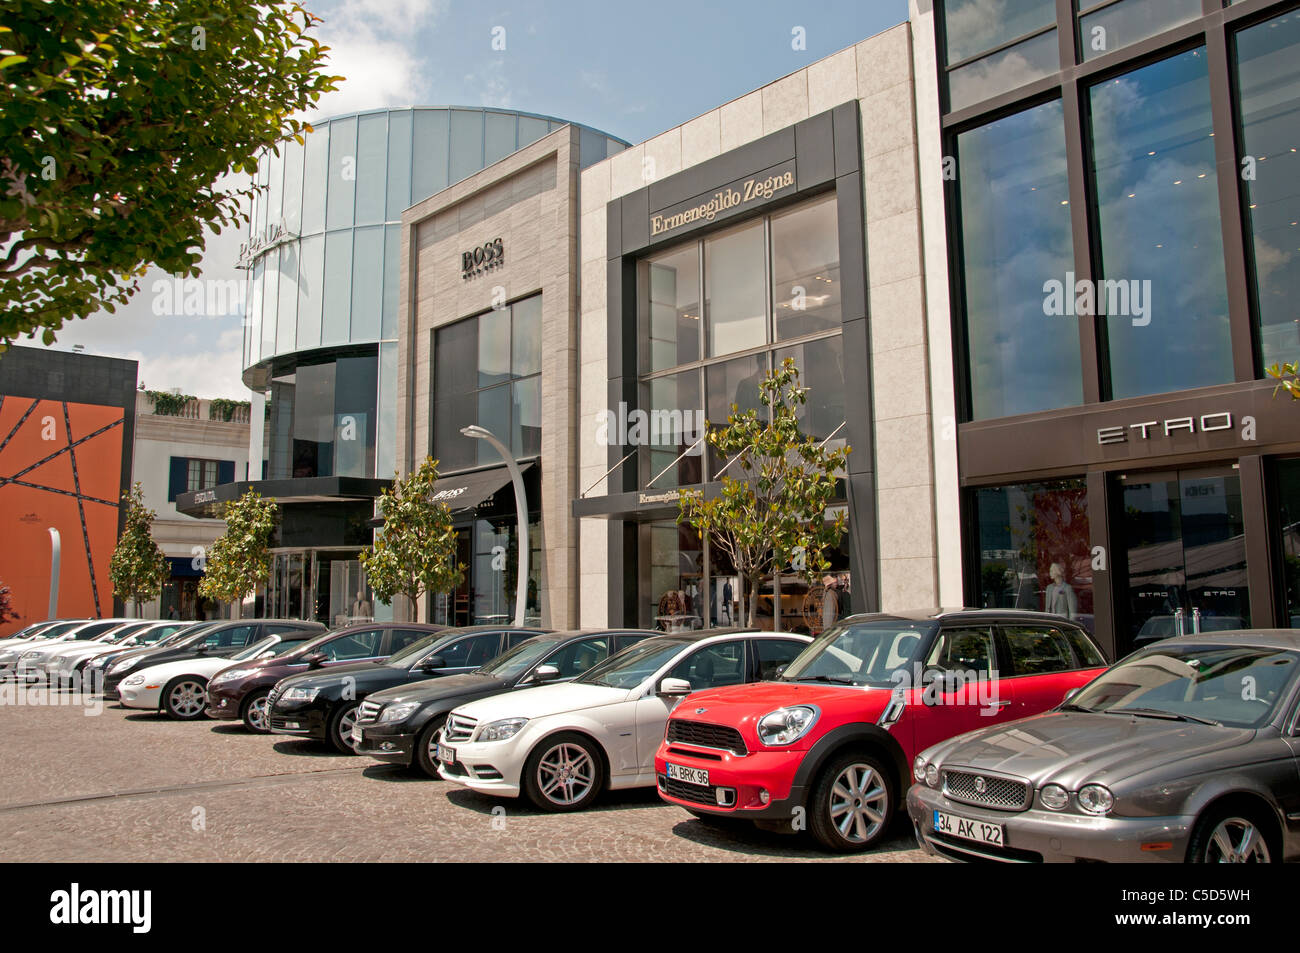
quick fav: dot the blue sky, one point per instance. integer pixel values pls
(629, 69)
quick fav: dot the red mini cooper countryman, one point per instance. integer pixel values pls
(828, 746)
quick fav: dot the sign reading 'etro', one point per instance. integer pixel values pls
(728, 199)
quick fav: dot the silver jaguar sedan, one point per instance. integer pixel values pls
(1188, 750)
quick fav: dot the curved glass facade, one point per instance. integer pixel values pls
(322, 260)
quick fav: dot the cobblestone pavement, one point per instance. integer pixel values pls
(133, 786)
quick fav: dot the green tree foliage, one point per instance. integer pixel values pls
(138, 567)
(119, 120)
(1287, 377)
(415, 552)
(241, 557)
(771, 512)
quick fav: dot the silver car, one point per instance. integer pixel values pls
(1188, 750)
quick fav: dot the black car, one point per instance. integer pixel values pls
(214, 639)
(402, 725)
(323, 704)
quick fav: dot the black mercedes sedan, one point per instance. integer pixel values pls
(402, 725)
(323, 704)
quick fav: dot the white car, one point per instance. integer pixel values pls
(561, 745)
(44, 632)
(28, 660)
(67, 662)
(180, 689)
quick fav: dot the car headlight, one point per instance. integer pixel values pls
(918, 767)
(123, 666)
(501, 730)
(786, 725)
(400, 712)
(232, 674)
(300, 694)
(95, 663)
(31, 657)
(1054, 797)
(134, 680)
(1095, 799)
(932, 774)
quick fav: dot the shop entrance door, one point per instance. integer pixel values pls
(1184, 540)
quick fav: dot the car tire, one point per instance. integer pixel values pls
(340, 724)
(185, 698)
(853, 803)
(1228, 829)
(423, 758)
(544, 781)
(253, 712)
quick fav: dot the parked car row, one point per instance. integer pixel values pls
(1000, 734)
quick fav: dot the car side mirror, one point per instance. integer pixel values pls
(433, 663)
(1070, 694)
(267, 654)
(202, 649)
(780, 670)
(545, 673)
(315, 659)
(673, 687)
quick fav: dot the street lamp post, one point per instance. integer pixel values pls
(521, 509)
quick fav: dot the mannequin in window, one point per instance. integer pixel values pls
(1061, 599)
(361, 608)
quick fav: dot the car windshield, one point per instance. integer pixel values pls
(124, 634)
(861, 653)
(633, 665)
(404, 657)
(59, 629)
(518, 659)
(1237, 686)
(256, 649)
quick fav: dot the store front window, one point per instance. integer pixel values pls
(328, 586)
(487, 371)
(1289, 528)
(1034, 548)
(487, 548)
(1268, 89)
(1158, 222)
(1185, 544)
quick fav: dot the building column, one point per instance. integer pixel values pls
(256, 435)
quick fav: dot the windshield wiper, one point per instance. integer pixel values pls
(837, 679)
(1161, 713)
(1070, 706)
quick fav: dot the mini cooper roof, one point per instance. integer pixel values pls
(1285, 639)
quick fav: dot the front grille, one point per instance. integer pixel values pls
(707, 736)
(368, 712)
(271, 698)
(697, 793)
(459, 729)
(1003, 794)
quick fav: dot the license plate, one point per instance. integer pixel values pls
(690, 775)
(968, 829)
(446, 755)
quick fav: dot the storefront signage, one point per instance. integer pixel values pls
(451, 494)
(260, 244)
(481, 260)
(205, 496)
(1147, 429)
(726, 201)
(670, 496)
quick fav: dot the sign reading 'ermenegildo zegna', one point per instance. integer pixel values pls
(759, 187)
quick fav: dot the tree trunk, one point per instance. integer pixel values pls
(776, 601)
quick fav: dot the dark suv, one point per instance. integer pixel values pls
(240, 692)
(218, 640)
(324, 704)
(403, 725)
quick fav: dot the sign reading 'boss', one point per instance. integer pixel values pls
(482, 259)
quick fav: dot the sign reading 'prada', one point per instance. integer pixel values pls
(483, 259)
(726, 201)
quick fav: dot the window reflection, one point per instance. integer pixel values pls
(735, 305)
(1128, 21)
(973, 26)
(671, 319)
(1268, 83)
(1002, 71)
(1158, 215)
(1015, 236)
(806, 269)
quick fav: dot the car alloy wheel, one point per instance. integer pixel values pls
(186, 699)
(424, 755)
(255, 713)
(565, 774)
(852, 803)
(1237, 841)
(343, 728)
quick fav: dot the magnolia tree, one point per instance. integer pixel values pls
(415, 552)
(1288, 378)
(241, 557)
(770, 515)
(138, 567)
(119, 122)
